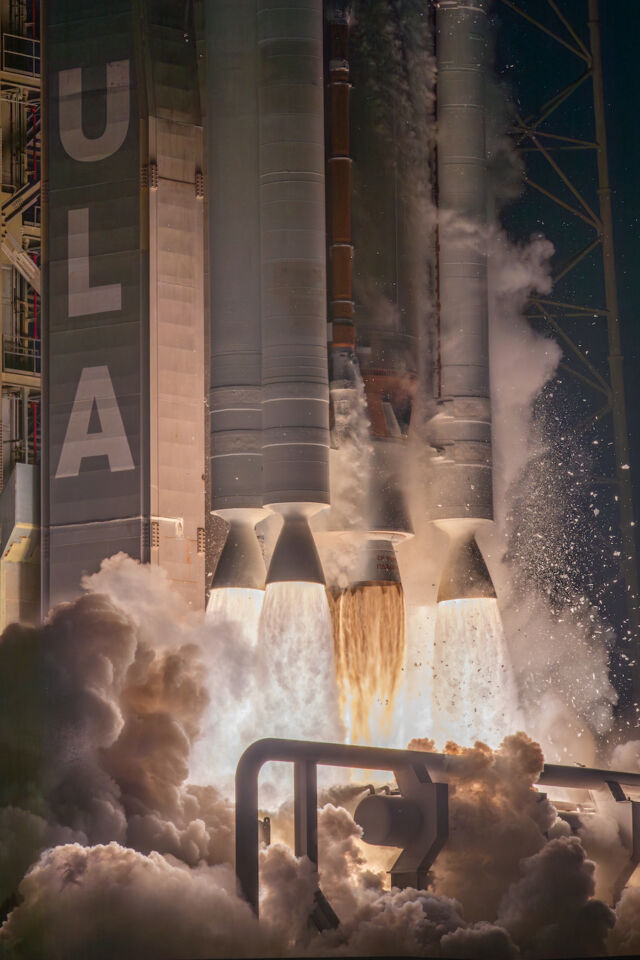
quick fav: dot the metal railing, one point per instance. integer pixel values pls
(21, 354)
(21, 54)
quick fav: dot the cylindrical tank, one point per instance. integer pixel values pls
(292, 209)
(461, 428)
(235, 286)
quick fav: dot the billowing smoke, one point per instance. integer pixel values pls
(107, 849)
(559, 645)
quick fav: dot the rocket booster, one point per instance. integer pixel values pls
(460, 430)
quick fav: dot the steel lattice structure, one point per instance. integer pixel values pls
(544, 132)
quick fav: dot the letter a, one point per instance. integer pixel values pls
(72, 135)
(95, 387)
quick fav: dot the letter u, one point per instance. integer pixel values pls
(76, 144)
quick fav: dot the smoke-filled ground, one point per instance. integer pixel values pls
(109, 849)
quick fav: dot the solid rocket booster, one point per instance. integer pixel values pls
(295, 451)
(461, 428)
(235, 296)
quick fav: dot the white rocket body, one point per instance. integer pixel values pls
(235, 397)
(461, 427)
(295, 425)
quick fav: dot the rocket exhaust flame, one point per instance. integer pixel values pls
(369, 644)
(295, 669)
(474, 693)
(237, 605)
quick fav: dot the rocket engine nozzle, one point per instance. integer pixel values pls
(241, 563)
(465, 575)
(295, 556)
(375, 562)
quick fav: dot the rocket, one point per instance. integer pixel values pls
(288, 338)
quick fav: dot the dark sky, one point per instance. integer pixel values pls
(621, 30)
(535, 68)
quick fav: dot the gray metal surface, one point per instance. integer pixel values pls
(234, 254)
(292, 209)
(123, 356)
(94, 408)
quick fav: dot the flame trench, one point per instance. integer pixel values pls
(369, 644)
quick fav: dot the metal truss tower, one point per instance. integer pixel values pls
(571, 185)
(21, 315)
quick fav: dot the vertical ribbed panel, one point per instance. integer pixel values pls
(292, 199)
(234, 254)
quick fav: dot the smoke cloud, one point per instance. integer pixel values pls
(107, 849)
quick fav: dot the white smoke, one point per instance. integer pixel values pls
(108, 850)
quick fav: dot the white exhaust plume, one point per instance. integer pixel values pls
(474, 692)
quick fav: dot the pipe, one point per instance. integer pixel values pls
(295, 408)
(235, 289)
(436, 766)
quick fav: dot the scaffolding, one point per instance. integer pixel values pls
(20, 432)
(544, 132)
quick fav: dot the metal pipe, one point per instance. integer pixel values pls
(435, 766)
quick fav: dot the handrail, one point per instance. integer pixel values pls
(306, 755)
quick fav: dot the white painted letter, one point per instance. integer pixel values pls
(95, 387)
(72, 135)
(84, 299)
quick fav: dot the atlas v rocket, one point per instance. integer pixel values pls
(280, 98)
(251, 246)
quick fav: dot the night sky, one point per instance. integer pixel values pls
(533, 68)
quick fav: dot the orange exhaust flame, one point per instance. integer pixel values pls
(369, 645)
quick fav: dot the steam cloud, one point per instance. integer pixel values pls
(108, 850)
